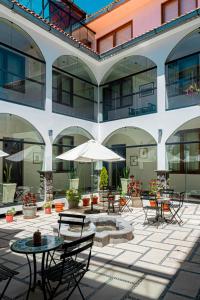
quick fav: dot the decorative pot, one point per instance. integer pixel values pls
(47, 210)
(29, 212)
(9, 218)
(72, 204)
(122, 201)
(136, 202)
(86, 201)
(59, 206)
(95, 200)
(74, 184)
(153, 203)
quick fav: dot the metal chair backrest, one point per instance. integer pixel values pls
(71, 219)
(74, 248)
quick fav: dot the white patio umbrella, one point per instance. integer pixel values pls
(91, 151)
(2, 153)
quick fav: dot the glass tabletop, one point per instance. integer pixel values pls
(26, 246)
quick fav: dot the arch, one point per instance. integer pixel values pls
(128, 66)
(126, 131)
(15, 37)
(76, 67)
(72, 131)
(188, 45)
(18, 127)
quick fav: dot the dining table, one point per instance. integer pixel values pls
(27, 247)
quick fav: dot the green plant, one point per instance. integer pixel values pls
(103, 178)
(11, 212)
(126, 172)
(73, 173)
(7, 172)
(73, 196)
(47, 204)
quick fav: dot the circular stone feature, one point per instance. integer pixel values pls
(108, 230)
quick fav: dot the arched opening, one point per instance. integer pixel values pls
(22, 67)
(139, 149)
(19, 170)
(74, 88)
(183, 73)
(183, 155)
(64, 170)
(129, 89)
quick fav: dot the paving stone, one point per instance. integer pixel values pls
(186, 283)
(192, 267)
(132, 247)
(172, 262)
(94, 280)
(179, 235)
(179, 243)
(155, 256)
(127, 258)
(171, 296)
(114, 290)
(150, 288)
(156, 245)
(150, 268)
(137, 239)
(157, 237)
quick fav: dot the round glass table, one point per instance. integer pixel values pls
(27, 247)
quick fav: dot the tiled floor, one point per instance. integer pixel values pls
(159, 263)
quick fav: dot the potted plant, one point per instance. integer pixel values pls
(134, 190)
(8, 187)
(103, 179)
(10, 214)
(122, 199)
(86, 201)
(29, 207)
(125, 179)
(74, 180)
(73, 196)
(47, 207)
(95, 199)
(59, 206)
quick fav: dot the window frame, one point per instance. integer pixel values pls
(179, 9)
(60, 90)
(113, 34)
(59, 165)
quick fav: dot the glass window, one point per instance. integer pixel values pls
(169, 10)
(62, 89)
(187, 6)
(105, 44)
(123, 35)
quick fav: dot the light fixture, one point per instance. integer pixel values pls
(160, 132)
(50, 132)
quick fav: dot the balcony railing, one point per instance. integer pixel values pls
(64, 15)
(130, 106)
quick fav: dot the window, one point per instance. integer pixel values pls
(115, 38)
(184, 157)
(65, 143)
(173, 8)
(12, 71)
(62, 89)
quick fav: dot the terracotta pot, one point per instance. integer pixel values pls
(47, 210)
(59, 206)
(136, 201)
(9, 218)
(122, 201)
(165, 206)
(86, 201)
(95, 200)
(153, 203)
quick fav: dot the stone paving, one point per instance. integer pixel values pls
(159, 263)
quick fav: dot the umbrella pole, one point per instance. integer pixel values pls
(92, 185)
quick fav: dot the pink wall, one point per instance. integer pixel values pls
(145, 14)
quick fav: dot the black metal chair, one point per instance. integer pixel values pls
(176, 204)
(6, 274)
(75, 220)
(149, 204)
(71, 269)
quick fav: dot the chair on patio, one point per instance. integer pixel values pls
(75, 220)
(149, 204)
(72, 267)
(6, 274)
(176, 204)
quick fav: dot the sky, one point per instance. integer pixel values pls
(91, 6)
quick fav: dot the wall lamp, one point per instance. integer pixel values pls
(160, 133)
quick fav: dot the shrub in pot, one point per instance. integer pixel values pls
(95, 199)
(73, 197)
(134, 190)
(29, 207)
(59, 206)
(103, 179)
(47, 207)
(10, 215)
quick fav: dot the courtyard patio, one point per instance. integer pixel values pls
(159, 263)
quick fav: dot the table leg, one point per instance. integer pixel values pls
(34, 272)
(43, 277)
(30, 279)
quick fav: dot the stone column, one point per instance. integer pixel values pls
(162, 177)
(46, 185)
